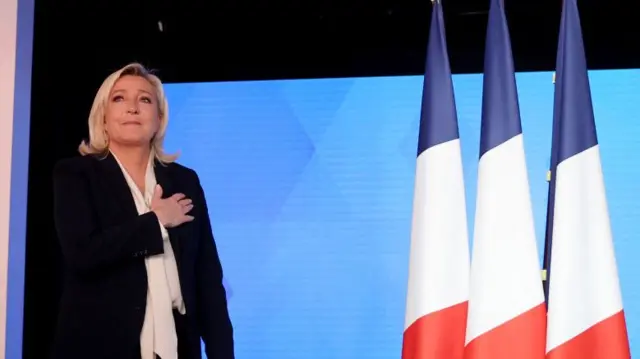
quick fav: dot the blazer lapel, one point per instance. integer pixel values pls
(163, 177)
(114, 182)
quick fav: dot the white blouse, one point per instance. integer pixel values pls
(158, 334)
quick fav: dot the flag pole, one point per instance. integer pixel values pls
(546, 260)
(548, 240)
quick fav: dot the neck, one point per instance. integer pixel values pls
(135, 159)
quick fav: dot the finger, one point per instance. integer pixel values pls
(157, 192)
(186, 209)
(178, 196)
(185, 201)
(184, 219)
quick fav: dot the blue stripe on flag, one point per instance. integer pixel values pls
(573, 109)
(500, 109)
(438, 118)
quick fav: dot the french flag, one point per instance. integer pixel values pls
(586, 318)
(438, 285)
(507, 313)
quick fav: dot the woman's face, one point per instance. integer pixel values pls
(132, 116)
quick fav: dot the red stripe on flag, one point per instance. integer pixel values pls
(523, 337)
(438, 335)
(607, 339)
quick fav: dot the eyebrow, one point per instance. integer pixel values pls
(123, 90)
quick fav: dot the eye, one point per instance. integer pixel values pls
(145, 99)
(117, 98)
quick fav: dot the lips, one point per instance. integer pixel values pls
(132, 123)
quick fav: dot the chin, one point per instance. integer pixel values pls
(134, 142)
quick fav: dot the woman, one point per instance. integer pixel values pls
(143, 278)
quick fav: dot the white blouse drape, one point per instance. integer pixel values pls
(158, 334)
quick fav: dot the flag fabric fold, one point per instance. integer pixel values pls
(436, 307)
(585, 318)
(507, 313)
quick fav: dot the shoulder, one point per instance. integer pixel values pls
(184, 179)
(74, 165)
(181, 172)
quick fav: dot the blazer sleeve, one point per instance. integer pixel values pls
(85, 246)
(215, 324)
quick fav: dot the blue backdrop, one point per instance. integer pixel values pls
(309, 185)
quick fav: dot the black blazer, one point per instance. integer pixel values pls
(104, 243)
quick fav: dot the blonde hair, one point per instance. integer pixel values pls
(98, 143)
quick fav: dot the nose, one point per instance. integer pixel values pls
(133, 110)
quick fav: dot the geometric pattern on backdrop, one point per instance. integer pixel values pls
(310, 189)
